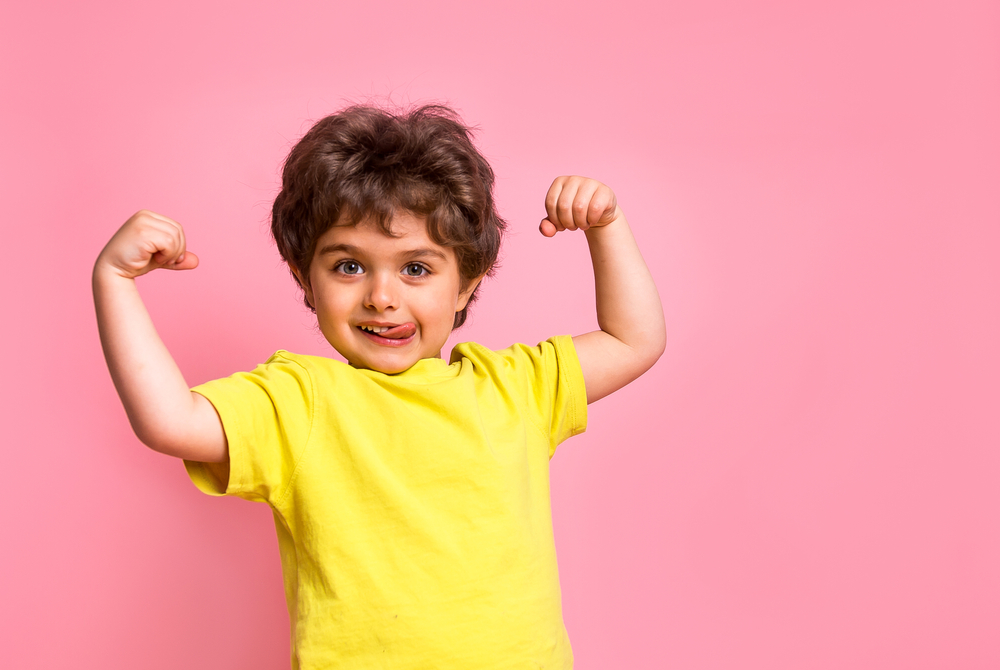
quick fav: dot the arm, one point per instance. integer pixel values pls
(164, 413)
(632, 333)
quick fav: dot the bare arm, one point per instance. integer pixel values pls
(632, 333)
(163, 412)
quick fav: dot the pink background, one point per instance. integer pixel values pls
(810, 476)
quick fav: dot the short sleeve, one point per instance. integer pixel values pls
(267, 415)
(552, 384)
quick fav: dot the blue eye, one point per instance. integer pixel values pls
(414, 270)
(348, 267)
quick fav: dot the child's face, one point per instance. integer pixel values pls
(408, 286)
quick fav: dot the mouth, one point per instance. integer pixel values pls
(389, 335)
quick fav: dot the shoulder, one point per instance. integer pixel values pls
(558, 346)
(543, 359)
(546, 379)
(280, 368)
(283, 359)
(284, 362)
(283, 374)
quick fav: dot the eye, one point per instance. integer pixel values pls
(415, 270)
(348, 267)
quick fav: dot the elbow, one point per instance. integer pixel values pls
(658, 342)
(162, 439)
(653, 346)
(645, 351)
(652, 354)
(207, 444)
(157, 440)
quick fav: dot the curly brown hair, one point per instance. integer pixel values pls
(366, 163)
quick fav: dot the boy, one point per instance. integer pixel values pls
(410, 495)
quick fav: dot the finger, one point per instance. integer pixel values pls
(603, 206)
(547, 228)
(163, 258)
(167, 246)
(582, 203)
(564, 206)
(188, 262)
(178, 238)
(172, 251)
(552, 200)
(181, 246)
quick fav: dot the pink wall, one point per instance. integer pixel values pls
(807, 479)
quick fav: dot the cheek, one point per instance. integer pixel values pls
(332, 304)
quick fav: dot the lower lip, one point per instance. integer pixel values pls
(386, 341)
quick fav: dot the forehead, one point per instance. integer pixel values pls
(409, 238)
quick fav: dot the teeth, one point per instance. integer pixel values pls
(375, 329)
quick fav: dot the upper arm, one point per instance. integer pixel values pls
(201, 438)
(255, 423)
(608, 364)
(211, 443)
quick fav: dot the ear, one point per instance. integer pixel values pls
(304, 283)
(466, 293)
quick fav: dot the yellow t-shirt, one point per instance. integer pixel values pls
(412, 510)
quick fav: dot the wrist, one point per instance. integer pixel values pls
(107, 274)
(617, 223)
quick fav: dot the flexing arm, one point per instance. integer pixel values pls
(632, 334)
(163, 412)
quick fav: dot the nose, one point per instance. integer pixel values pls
(383, 293)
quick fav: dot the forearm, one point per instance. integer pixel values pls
(628, 304)
(632, 334)
(163, 412)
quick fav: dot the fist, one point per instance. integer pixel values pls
(578, 203)
(147, 241)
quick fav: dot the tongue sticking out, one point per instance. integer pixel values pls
(400, 332)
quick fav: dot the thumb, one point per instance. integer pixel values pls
(187, 261)
(547, 228)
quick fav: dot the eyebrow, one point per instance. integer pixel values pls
(350, 249)
(334, 248)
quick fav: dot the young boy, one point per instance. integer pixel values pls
(410, 495)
